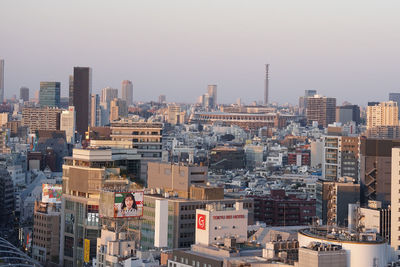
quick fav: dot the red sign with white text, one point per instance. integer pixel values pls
(201, 221)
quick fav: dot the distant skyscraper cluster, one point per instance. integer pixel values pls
(209, 100)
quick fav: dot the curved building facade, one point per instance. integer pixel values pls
(365, 251)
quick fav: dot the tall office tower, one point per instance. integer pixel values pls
(71, 90)
(1, 80)
(67, 124)
(395, 97)
(321, 109)
(81, 97)
(24, 93)
(395, 203)
(108, 94)
(95, 112)
(127, 92)
(303, 100)
(348, 113)
(383, 114)
(162, 99)
(118, 109)
(266, 88)
(212, 92)
(49, 95)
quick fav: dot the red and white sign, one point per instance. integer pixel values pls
(201, 221)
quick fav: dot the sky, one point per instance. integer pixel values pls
(344, 49)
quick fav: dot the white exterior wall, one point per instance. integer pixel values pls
(316, 152)
(395, 204)
(161, 223)
(220, 224)
(358, 254)
(67, 124)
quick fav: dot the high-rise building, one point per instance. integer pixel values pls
(383, 114)
(347, 113)
(71, 90)
(321, 109)
(81, 97)
(24, 93)
(1, 80)
(395, 97)
(127, 92)
(95, 111)
(303, 100)
(212, 92)
(67, 124)
(108, 94)
(49, 95)
(266, 88)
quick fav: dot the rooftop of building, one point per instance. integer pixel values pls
(336, 234)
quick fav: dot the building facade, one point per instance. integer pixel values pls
(24, 93)
(127, 92)
(67, 124)
(383, 114)
(82, 90)
(41, 118)
(49, 94)
(321, 109)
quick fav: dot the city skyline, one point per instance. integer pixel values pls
(179, 48)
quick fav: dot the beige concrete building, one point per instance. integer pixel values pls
(175, 115)
(322, 255)
(3, 118)
(41, 118)
(46, 233)
(67, 124)
(118, 109)
(395, 204)
(175, 177)
(383, 114)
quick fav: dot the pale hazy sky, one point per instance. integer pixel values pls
(344, 49)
